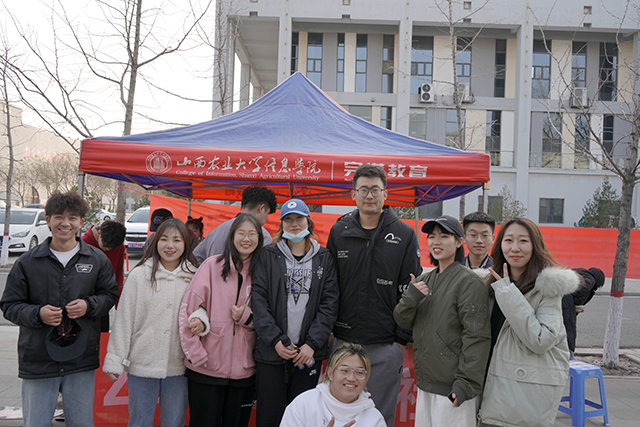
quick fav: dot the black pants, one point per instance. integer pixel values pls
(219, 405)
(278, 386)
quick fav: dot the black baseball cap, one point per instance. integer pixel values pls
(447, 222)
(157, 217)
(66, 341)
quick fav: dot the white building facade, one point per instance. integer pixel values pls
(539, 79)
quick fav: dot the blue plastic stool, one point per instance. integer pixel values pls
(579, 372)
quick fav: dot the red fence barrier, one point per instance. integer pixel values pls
(571, 246)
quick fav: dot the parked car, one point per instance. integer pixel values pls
(28, 228)
(103, 215)
(137, 226)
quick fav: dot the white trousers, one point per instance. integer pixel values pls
(434, 410)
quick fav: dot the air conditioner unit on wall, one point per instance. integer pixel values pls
(427, 92)
(578, 97)
(464, 91)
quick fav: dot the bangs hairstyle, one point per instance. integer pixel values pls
(459, 252)
(342, 352)
(231, 253)
(71, 202)
(479, 217)
(152, 250)
(311, 226)
(540, 256)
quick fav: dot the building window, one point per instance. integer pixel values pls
(463, 60)
(608, 71)
(387, 63)
(431, 211)
(361, 63)
(364, 112)
(385, 117)
(581, 146)
(453, 137)
(314, 58)
(294, 52)
(340, 76)
(494, 207)
(421, 62)
(551, 140)
(579, 65)
(607, 133)
(551, 211)
(541, 80)
(500, 69)
(493, 136)
(418, 123)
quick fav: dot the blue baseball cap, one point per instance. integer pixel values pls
(294, 206)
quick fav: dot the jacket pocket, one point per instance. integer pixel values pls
(249, 344)
(213, 345)
(532, 374)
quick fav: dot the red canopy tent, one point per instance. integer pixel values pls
(297, 141)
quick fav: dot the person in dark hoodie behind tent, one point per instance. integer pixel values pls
(574, 303)
(295, 304)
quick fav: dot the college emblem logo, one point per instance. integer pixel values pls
(158, 163)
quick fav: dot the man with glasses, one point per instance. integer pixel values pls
(478, 236)
(375, 255)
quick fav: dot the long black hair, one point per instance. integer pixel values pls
(231, 253)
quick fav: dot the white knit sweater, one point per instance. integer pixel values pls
(144, 338)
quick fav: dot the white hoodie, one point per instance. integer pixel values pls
(315, 407)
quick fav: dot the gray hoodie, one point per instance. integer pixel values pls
(298, 283)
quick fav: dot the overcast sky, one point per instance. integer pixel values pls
(188, 74)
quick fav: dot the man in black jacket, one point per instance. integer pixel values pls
(375, 255)
(574, 303)
(57, 293)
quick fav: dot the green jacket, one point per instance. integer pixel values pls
(451, 332)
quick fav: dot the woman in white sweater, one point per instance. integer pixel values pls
(340, 400)
(144, 340)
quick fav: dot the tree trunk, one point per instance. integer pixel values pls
(121, 206)
(4, 253)
(614, 323)
(462, 207)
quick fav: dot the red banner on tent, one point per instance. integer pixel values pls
(189, 163)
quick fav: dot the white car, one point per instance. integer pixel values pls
(137, 226)
(103, 215)
(28, 228)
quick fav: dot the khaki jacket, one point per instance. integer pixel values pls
(530, 362)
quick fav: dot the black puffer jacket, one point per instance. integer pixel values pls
(580, 297)
(38, 279)
(372, 275)
(269, 304)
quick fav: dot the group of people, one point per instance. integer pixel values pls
(245, 316)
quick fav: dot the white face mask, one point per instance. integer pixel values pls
(296, 238)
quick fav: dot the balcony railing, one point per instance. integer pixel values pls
(578, 161)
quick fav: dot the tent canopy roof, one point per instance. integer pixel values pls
(297, 141)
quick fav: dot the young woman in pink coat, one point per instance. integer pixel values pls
(217, 334)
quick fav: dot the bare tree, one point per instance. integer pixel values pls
(601, 153)
(133, 38)
(6, 101)
(459, 38)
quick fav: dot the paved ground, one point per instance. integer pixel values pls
(623, 393)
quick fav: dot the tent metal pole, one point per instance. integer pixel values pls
(416, 212)
(188, 207)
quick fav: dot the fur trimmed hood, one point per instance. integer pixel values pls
(552, 281)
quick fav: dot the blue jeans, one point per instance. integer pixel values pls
(143, 396)
(39, 399)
